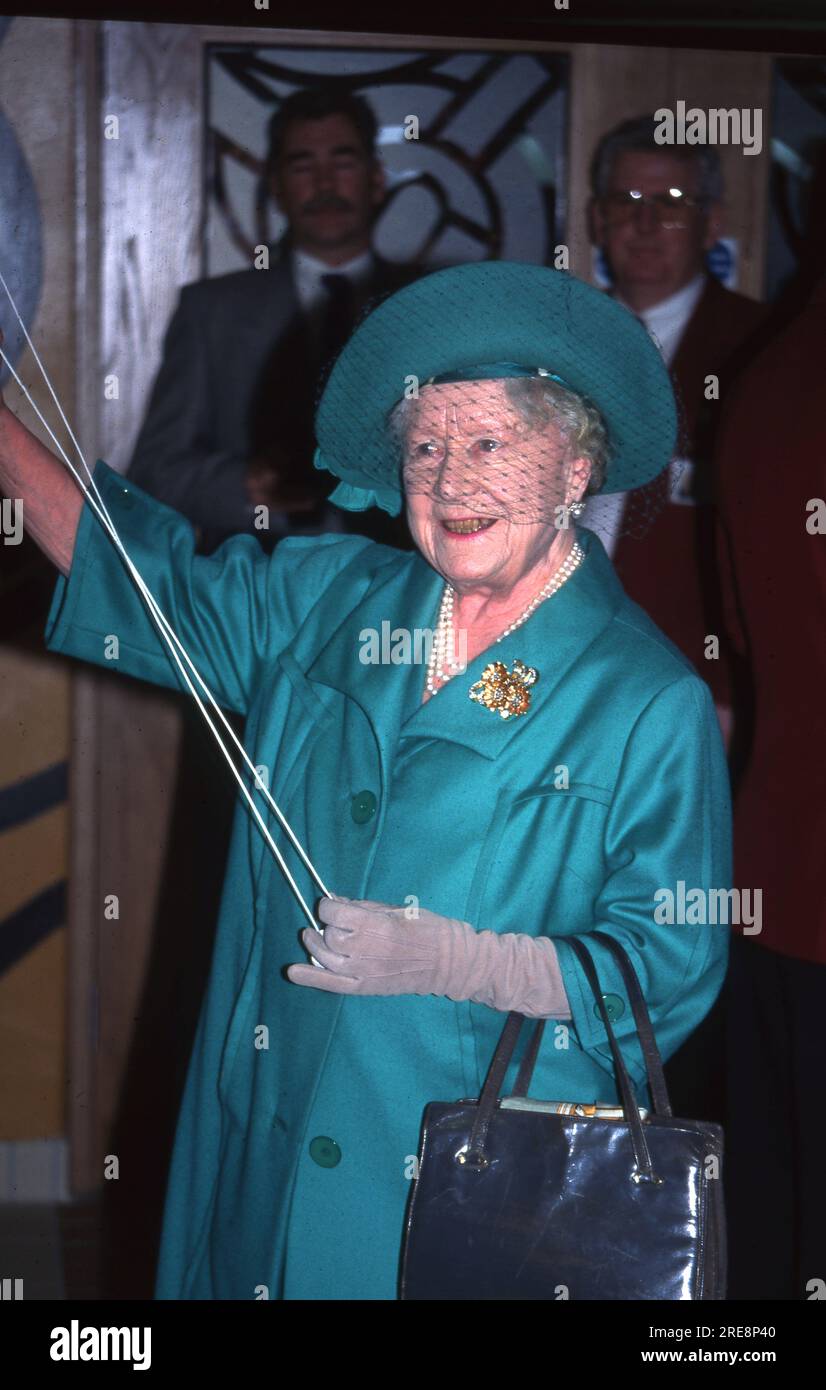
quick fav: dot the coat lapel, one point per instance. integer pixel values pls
(552, 640)
(405, 596)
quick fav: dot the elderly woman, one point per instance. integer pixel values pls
(469, 818)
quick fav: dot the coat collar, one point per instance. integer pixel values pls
(407, 596)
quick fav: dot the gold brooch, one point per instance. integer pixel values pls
(506, 692)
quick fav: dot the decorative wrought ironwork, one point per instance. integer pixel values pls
(523, 84)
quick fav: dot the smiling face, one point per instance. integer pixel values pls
(482, 485)
(327, 186)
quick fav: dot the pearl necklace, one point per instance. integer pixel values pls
(443, 639)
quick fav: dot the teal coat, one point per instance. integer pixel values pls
(567, 819)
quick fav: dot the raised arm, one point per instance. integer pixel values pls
(51, 500)
(234, 611)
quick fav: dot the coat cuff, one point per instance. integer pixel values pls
(586, 1019)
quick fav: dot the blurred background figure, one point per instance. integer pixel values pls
(654, 215)
(230, 421)
(772, 509)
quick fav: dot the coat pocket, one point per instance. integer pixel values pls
(541, 865)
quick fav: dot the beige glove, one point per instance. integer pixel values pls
(373, 948)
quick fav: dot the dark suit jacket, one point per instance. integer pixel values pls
(237, 377)
(672, 570)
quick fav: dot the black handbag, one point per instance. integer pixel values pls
(521, 1203)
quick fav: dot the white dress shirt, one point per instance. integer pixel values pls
(666, 322)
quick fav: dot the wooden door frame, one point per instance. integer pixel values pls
(125, 736)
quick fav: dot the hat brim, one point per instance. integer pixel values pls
(493, 311)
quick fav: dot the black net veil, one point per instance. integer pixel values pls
(497, 441)
(505, 445)
(500, 439)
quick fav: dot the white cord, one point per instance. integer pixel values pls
(167, 632)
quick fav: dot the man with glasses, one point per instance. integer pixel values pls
(655, 212)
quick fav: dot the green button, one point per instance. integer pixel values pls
(325, 1152)
(363, 807)
(127, 500)
(614, 1007)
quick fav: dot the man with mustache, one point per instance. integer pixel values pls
(229, 424)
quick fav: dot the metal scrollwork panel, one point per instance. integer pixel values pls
(482, 179)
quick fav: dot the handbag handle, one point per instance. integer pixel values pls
(648, 1043)
(474, 1153)
(650, 1051)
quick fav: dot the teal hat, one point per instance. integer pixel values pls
(493, 318)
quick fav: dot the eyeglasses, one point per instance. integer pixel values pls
(673, 209)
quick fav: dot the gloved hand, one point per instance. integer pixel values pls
(373, 948)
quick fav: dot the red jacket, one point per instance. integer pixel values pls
(771, 462)
(671, 571)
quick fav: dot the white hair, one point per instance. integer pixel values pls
(542, 401)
